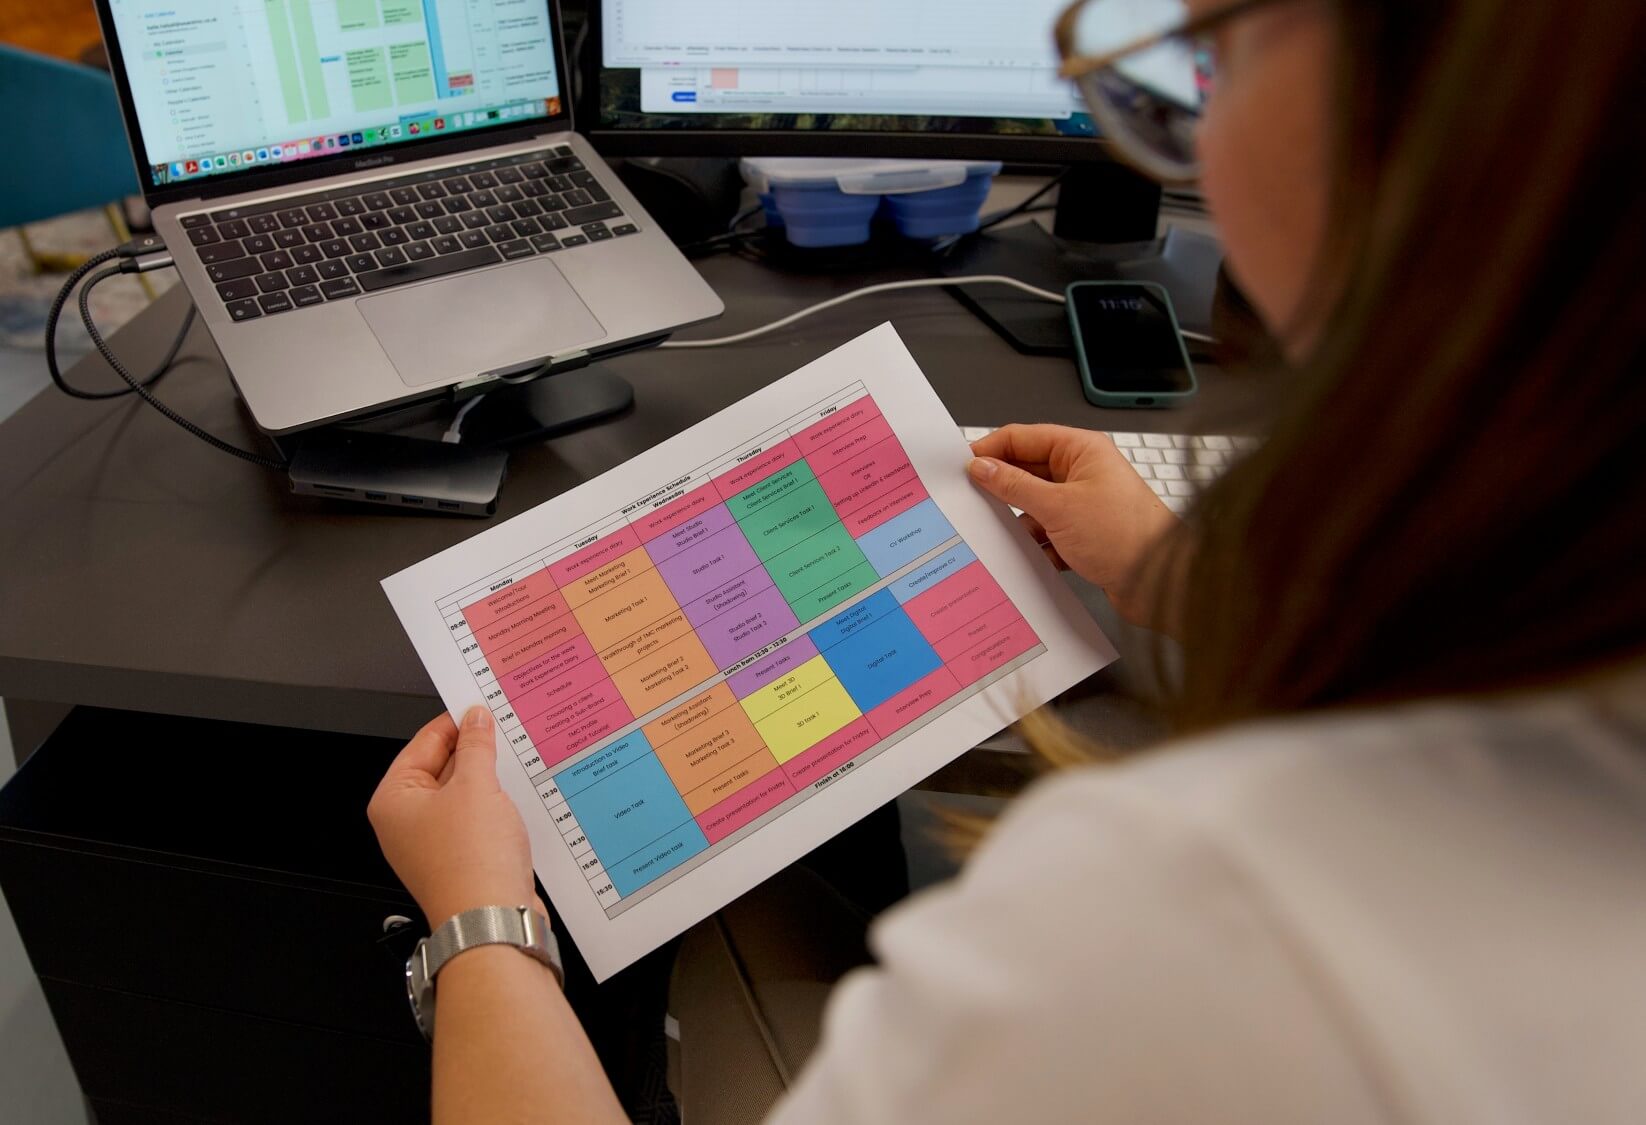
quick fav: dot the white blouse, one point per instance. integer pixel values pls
(1432, 914)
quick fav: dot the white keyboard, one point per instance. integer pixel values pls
(1173, 464)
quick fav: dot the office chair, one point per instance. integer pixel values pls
(68, 149)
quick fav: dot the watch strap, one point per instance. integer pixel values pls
(519, 926)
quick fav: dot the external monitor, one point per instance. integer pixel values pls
(940, 79)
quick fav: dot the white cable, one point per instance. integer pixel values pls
(1197, 337)
(884, 287)
(454, 434)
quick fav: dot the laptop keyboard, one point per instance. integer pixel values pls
(269, 258)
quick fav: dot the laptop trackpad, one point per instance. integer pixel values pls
(472, 323)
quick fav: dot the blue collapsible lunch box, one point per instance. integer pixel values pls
(823, 202)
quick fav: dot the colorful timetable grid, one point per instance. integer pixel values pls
(681, 672)
(712, 657)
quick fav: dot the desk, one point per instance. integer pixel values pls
(143, 570)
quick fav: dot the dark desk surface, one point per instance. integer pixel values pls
(141, 569)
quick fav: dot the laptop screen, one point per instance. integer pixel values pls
(223, 86)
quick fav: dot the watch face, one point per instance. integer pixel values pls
(420, 990)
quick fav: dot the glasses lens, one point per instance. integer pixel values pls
(1108, 25)
(1147, 102)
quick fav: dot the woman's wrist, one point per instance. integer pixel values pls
(442, 910)
(1145, 598)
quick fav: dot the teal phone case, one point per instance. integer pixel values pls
(1129, 400)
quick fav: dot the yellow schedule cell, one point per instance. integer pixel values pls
(797, 726)
(778, 693)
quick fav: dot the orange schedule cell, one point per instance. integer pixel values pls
(690, 715)
(606, 577)
(626, 609)
(642, 645)
(962, 598)
(827, 756)
(748, 805)
(676, 512)
(508, 600)
(841, 420)
(756, 467)
(993, 653)
(913, 701)
(848, 445)
(592, 556)
(676, 667)
(752, 767)
(700, 741)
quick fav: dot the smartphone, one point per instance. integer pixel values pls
(1127, 344)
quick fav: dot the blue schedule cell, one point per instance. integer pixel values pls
(929, 574)
(876, 662)
(656, 859)
(854, 620)
(900, 541)
(602, 764)
(627, 816)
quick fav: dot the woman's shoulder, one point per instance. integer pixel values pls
(1312, 775)
(1372, 889)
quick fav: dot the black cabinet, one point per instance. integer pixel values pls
(204, 905)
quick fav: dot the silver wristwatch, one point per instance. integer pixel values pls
(519, 926)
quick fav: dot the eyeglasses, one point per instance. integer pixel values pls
(1144, 69)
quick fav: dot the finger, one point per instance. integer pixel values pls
(1053, 557)
(429, 749)
(1032, 445)
(1014, 486)
(476, 755)
(1041, 469)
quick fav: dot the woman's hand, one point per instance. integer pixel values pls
(445, 824)
(1083, 502)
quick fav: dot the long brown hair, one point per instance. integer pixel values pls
(1452, 495)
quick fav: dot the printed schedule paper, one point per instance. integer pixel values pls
(711, 659)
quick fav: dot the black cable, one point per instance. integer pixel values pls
(143, 392)
(56, 313)
(1013, 212)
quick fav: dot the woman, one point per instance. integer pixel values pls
(1397, 871)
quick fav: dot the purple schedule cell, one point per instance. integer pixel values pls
(712, 521)
(706, 566)
(748, 626)
(728, 596)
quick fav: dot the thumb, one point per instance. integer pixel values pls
(476, 753)
(1019, 489)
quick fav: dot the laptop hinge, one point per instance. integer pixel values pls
(564, 361)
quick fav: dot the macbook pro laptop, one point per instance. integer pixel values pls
(375, 201)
